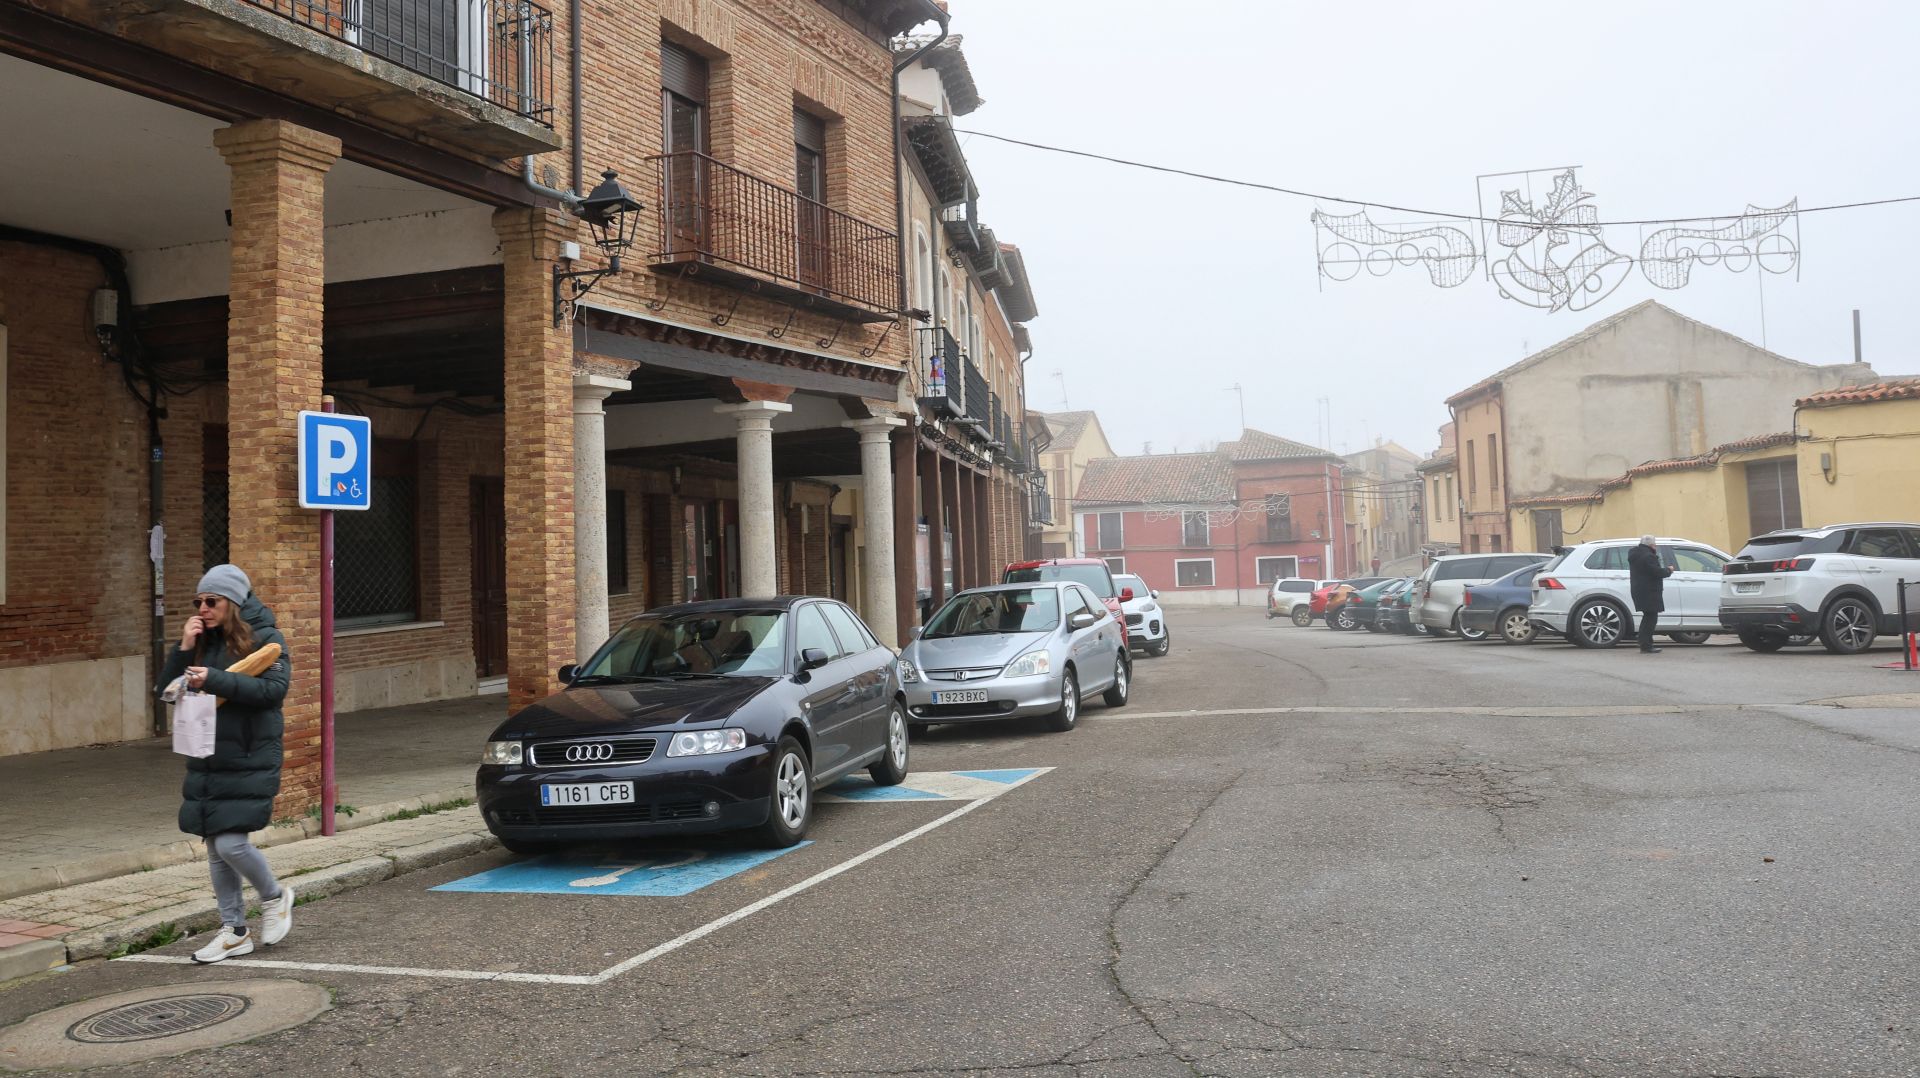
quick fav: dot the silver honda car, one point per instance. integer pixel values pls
(1013, 650)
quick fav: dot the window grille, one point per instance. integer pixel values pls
(376, 573)
(213, 518)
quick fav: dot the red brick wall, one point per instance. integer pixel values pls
(76, 550)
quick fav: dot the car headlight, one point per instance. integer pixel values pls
(909, 674)
(502, 752)
(707, 742)
(1033, 662)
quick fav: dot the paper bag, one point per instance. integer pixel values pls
(193, 724)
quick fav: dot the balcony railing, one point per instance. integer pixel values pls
(745, 232)
(1042, 501)
(499, 50)
(943, 385)
(979, 404)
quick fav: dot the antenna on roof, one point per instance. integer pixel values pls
(1061, 377)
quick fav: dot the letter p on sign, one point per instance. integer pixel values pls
(336, 461)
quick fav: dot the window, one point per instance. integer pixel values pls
(810, 631)
(1116, 566)
(1195, 529)
(1473, 470)
(1493, 462)
(1689, 559)
(1076, 602)
(1193, 573)
(1451, 500)
(1502, 566)
(1461, 569)
(1279, 518)
(811, 253)
(1110, 533)
(846, 627)
(1612, 558)
(1436, 498)
(616, 542)
(683, 131)
(213, 495)
(376, 577)
(1497, 543)
(1268, 570)
(1880, 543)
(1773, 495)
(1546, 529)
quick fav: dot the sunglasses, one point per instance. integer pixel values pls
(208, 603)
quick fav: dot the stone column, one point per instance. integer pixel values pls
(274, 329)
(876, 500)
(759, 575)
(539, 452)
(590, 392)
(906, 489)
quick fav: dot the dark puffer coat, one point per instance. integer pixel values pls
(233, 790)
(1649, 579)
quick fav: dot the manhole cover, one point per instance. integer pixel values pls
(158, 1021)
(164, 1017)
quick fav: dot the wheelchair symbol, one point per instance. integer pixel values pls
(666, 859)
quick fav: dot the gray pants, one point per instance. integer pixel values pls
(229, 857)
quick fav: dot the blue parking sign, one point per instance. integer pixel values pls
(336, 461)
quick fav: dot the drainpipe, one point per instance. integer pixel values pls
(899, 179)
(573, 93)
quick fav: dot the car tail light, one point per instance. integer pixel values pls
(1793, 565)
(1547, 583)
(1469, 599)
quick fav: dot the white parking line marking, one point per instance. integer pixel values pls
(644, 957)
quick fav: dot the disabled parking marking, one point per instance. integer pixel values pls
(669, 873)
(628, 965)
(929, 786)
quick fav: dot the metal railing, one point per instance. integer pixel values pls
(979, 404)
(942, 382)
(1042, 501)
(499, 50)
(713, 212)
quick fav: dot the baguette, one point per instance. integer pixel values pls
(253, 665)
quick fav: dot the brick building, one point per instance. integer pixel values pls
(219, 210)
(1219, 527)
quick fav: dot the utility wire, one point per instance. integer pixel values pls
(1392, 206)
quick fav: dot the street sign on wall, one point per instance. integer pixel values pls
(336, 461)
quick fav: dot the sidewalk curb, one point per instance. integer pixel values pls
(27, 959)
(200, 915)
(126, 862)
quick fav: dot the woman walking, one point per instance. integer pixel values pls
(230, 794)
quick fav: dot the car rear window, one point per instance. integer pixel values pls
(1778, 547)
(1553, 563)
(1462, 569)
(1095, 577)
(1301, 587)
(1503, 566)
(1608, 557)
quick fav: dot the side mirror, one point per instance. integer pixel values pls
(813, 659)
(1155, 593)
(1126, 595)
(568, 673)
(1080, 621)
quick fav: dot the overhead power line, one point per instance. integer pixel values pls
(1352, 201)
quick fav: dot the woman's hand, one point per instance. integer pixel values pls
(196, 677)
(191, 633)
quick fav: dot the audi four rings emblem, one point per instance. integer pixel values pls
(592, 752)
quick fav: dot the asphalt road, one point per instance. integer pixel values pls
(1295, 852)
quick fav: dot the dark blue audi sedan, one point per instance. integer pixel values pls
(711, 716)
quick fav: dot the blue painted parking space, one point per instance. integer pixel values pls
(930, 786)
(667, 873)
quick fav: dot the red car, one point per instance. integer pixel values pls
(1091, 572)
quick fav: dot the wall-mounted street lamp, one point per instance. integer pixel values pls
(614, 217)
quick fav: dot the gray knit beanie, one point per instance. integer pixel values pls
(227, 581)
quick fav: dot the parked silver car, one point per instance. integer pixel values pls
(1441, 591)
(1013, 650)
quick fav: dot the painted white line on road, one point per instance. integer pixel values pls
(636, 961)
(1411, 709)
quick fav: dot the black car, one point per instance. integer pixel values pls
(711, 716)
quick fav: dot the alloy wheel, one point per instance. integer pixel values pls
(1850, 628)
(790, 787)
(897, 738)
(1599, 625)
(1516, 628)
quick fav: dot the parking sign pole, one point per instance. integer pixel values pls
(328, 788)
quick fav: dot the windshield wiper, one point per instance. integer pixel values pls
(612, 679)
(691, 673)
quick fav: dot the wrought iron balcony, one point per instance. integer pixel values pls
(733, 228)
(978, 402)
(942, 383)
(497, 50)
(1042, 510)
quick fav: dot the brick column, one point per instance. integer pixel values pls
(539, 452)
(274, 329)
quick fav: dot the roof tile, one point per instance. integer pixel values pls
(1171, 478)
(1891, 390)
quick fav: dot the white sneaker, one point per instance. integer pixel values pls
(276, 917)
(224, 946)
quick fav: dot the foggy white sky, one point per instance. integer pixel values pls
(1158, 292)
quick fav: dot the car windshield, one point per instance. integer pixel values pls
(1777, 547)
(744, 643)
(1372, 591)
(1138, 585)
(979, 613)
(1093, 576)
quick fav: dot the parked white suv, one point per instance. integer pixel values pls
(1441, 591)
(1290, 593)
(1586, 594)
(1147, 628)
(1841, 581)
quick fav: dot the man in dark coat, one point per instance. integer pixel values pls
(1649, 588)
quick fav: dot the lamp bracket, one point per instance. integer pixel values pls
(570, 288)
